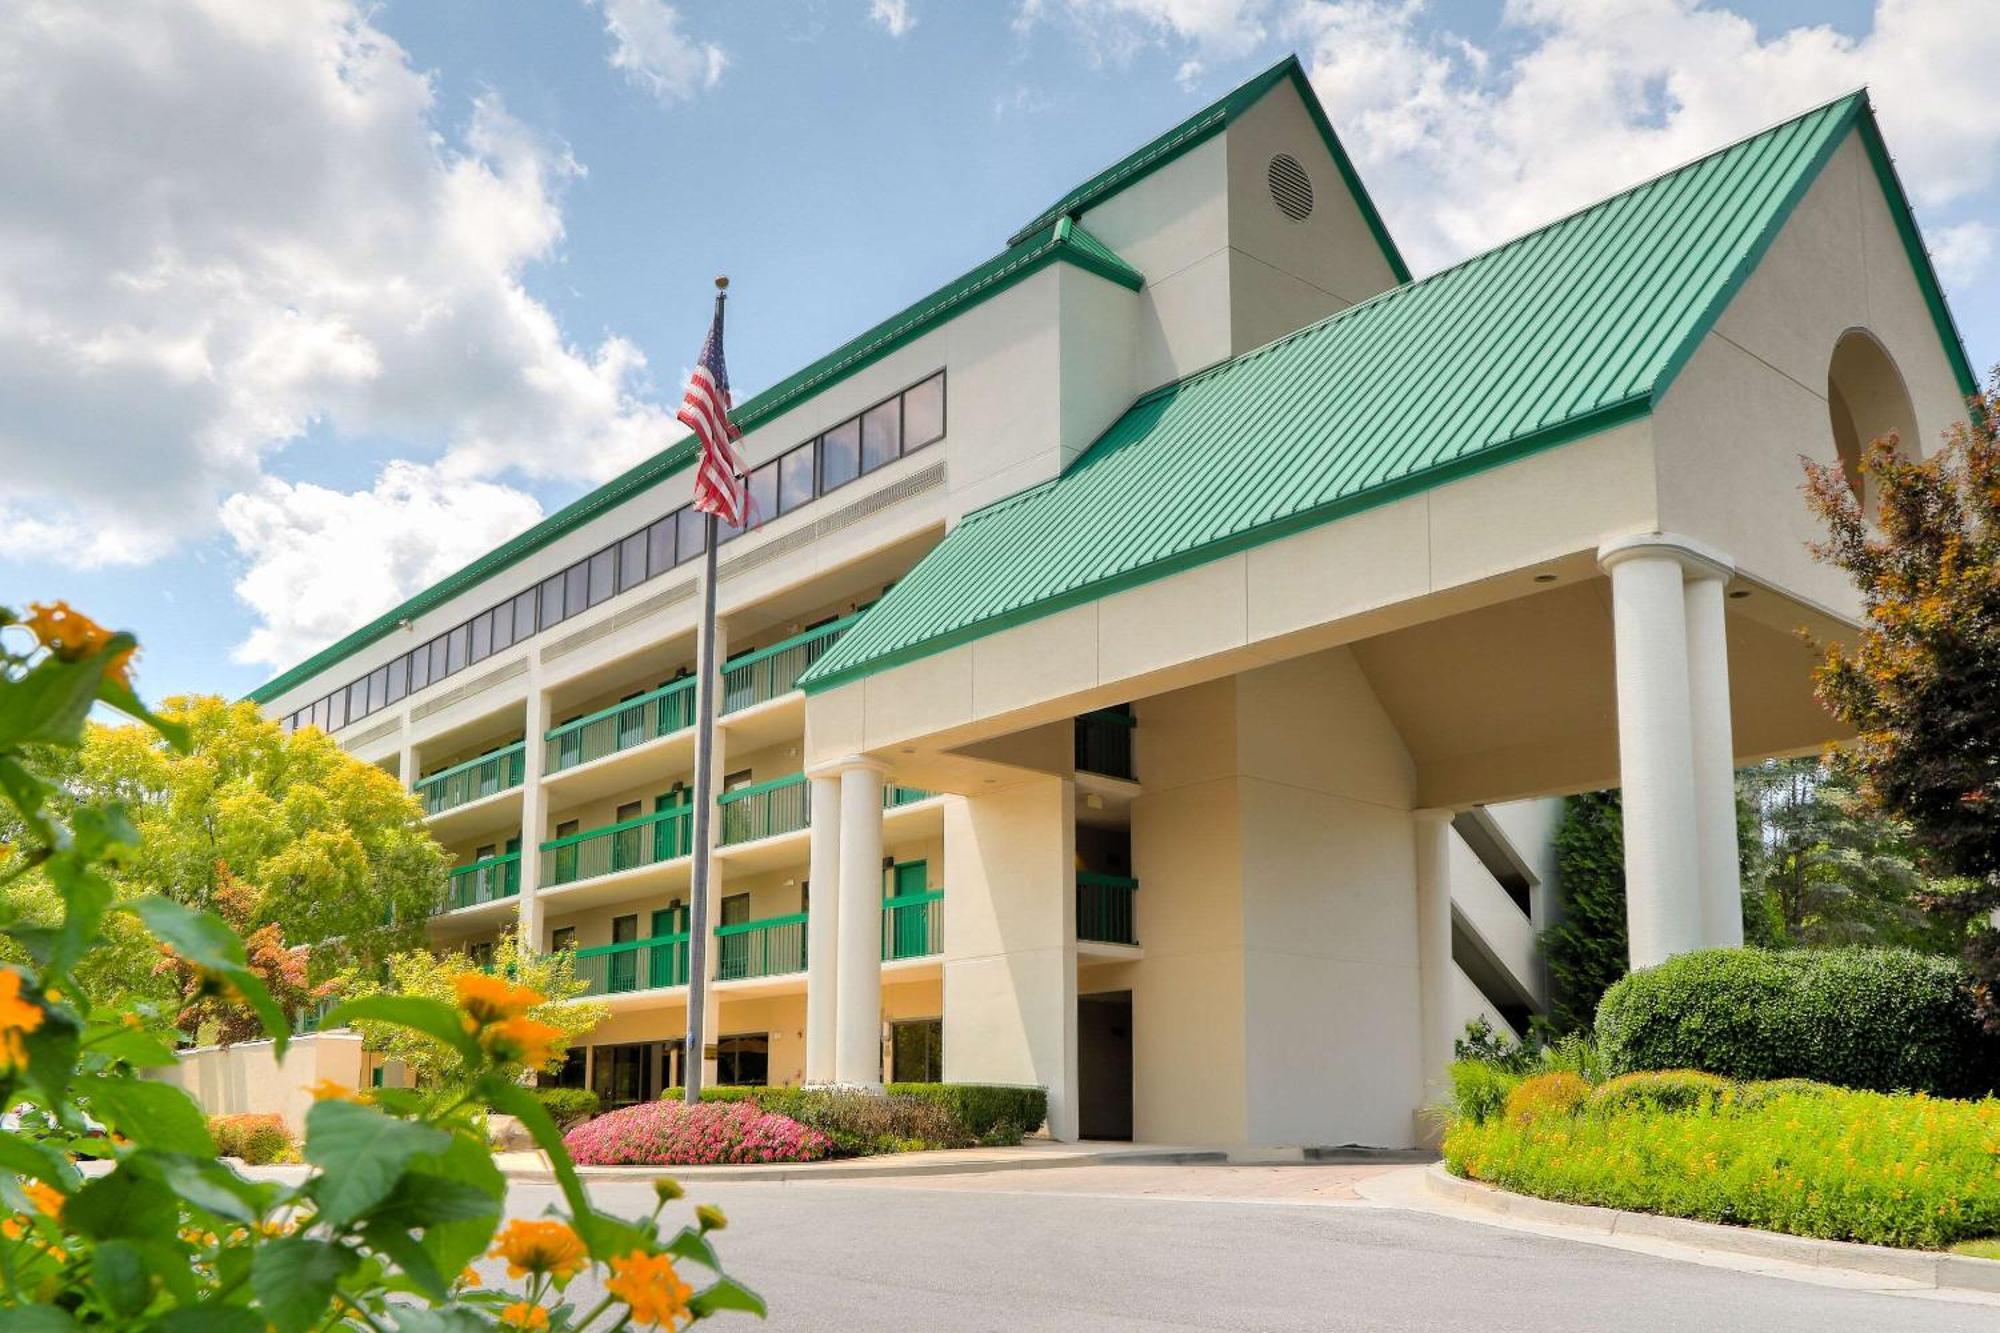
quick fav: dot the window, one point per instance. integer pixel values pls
(378, 688)
(438, 658)
(632, 560)
(603, 571)
(336, 710)
(764, 494)
(455, 644)
(552, 601)
(576, 588)
(916, 1051)
(420, 668)
(481, 954)
(503, 625)
(923, 413)
(482, 638)
(397, 678)
(562, 939)
(693, 533)
(524, 615)
(571, 1073)
(881, 434)
(744, 1061)
(660, 546)
(795, 478)
(840, 455)
(357, 700)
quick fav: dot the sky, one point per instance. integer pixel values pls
(306, 303)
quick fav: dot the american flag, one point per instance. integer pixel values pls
(719, 487)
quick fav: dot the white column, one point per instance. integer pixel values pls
(534, 815)
(822, 931)
(858, 981)
(1434, 963)
(1663, 896)
(1714, 759)
(711, 1003)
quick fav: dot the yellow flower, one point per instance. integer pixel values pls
(546, 1246)
(72, 636)
(492, 999)
(522, 1040)
(525, 1315)
(18, 1017)
(468, 1277)
(710, 1217)
(649, 1284)
(331, 1090)
(47, 1199)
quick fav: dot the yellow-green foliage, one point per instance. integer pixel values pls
(1888, 1169)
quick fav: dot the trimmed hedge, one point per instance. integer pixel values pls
(568, 1106)
(1882, 1019)
(991, 1112)
(258, 1139)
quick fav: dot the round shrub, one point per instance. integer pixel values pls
(1546, 1095)
(710, 1134)
(568, 1106)
(1667, 1090)
(258, 1140)
(1881, 1019)
(1479, 1090)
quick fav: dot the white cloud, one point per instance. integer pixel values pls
(325, 555)
(1961, 253)
(1114, 29)
(229, 226)
(656, 54)
(893, 15)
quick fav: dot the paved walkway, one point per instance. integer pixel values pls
(1032, 1154)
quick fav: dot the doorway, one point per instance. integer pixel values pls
(1104, 1065)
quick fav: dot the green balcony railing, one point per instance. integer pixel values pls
(475, 778)
(1104, 742)
(893, 796)
(759, 676)
(764, 809)
(484, 881)
(649, 964)
(772, 947)
(642, 841)
(1104, 908)
(631, 722)
(913, 925)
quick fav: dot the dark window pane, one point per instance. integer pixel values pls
(397, 670)
(764, 494)
(420, 668)
(840, 455)
(795, 478)
(632, 561)
(357, 700)
(881, 435)
(576, 588)
(482, 637)
(454, 649)
(693, 533)
(602, 572)
(503, 626)
(660, 547)
(552, 601)
(378, 688)
(923, 413)
(524, 615)
(438, 656)
(336, 710)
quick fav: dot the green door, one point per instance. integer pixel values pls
(732, 952)
(624, 970)
(909, 932)
(672, 837)
(666, 964)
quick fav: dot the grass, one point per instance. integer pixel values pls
(1986, 1247)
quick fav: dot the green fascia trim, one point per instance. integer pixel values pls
(1205, 124)
(637, 821)
(1091, 877)
(814, 681)
(914, 899)
(757, 655)
(650, 696)
(1069, 244)
(518, 747)
(759, 788)
(768, 923)
(631, 946)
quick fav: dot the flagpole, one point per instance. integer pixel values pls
(694, 1055)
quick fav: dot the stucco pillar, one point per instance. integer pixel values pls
(1714, 755)
(534, 814)
(1434, 962)
(1663, 897)
(857, 1058)
(823, 931)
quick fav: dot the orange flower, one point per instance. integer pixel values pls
(491, 999)
(524, 1315)
(649, 1284)
(72, 636)
(330, 1090)
(18, 1017)
(47, 1199)
(468, 1277)
(522, 1040)
(545, 1246)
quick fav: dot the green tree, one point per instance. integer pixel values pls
(434, 976)
(1921, 684)
(1586, 948)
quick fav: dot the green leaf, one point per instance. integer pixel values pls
(36, 1319)
(386, 1238)
(51, 701)
(727, 1294)
(207, 1184)
(692, 1245)
(468, 1163)
(155, 1115)
(26, 1157)
(134, 1046)
(361, 1154)
(118, 1277)
(205, 940)
(433, 1018)
(124, 1204)
(510, 1098)
(120, 697)
(294, 1278)
(209, 1319)
(414, 1319)
(52, 1051)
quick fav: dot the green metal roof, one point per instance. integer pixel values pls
(1205, 124)
(1061, 239)
(1567, 330)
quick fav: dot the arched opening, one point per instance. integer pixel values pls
(1866, 400)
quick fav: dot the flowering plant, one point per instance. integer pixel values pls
(673, 1134)
(115, 1208)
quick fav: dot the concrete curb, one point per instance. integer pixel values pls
(1924, 1268)
(878, 1168)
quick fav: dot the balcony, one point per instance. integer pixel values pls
(623, 726)
(773, 672)
(638, 965)
(473, 780)
(664, 835)
(913, 926)
(1104, 743)
(766, 809)
(485, 881)
(1104, 908)
(893, 796)
(773, 947)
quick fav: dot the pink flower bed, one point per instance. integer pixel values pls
(674, 1134)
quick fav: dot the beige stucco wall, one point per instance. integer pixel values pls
(248, 1078)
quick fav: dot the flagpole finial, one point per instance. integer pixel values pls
(722, 282)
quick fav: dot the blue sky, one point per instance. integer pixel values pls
(302, 342)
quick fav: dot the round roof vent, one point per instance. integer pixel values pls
(1291, 188)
